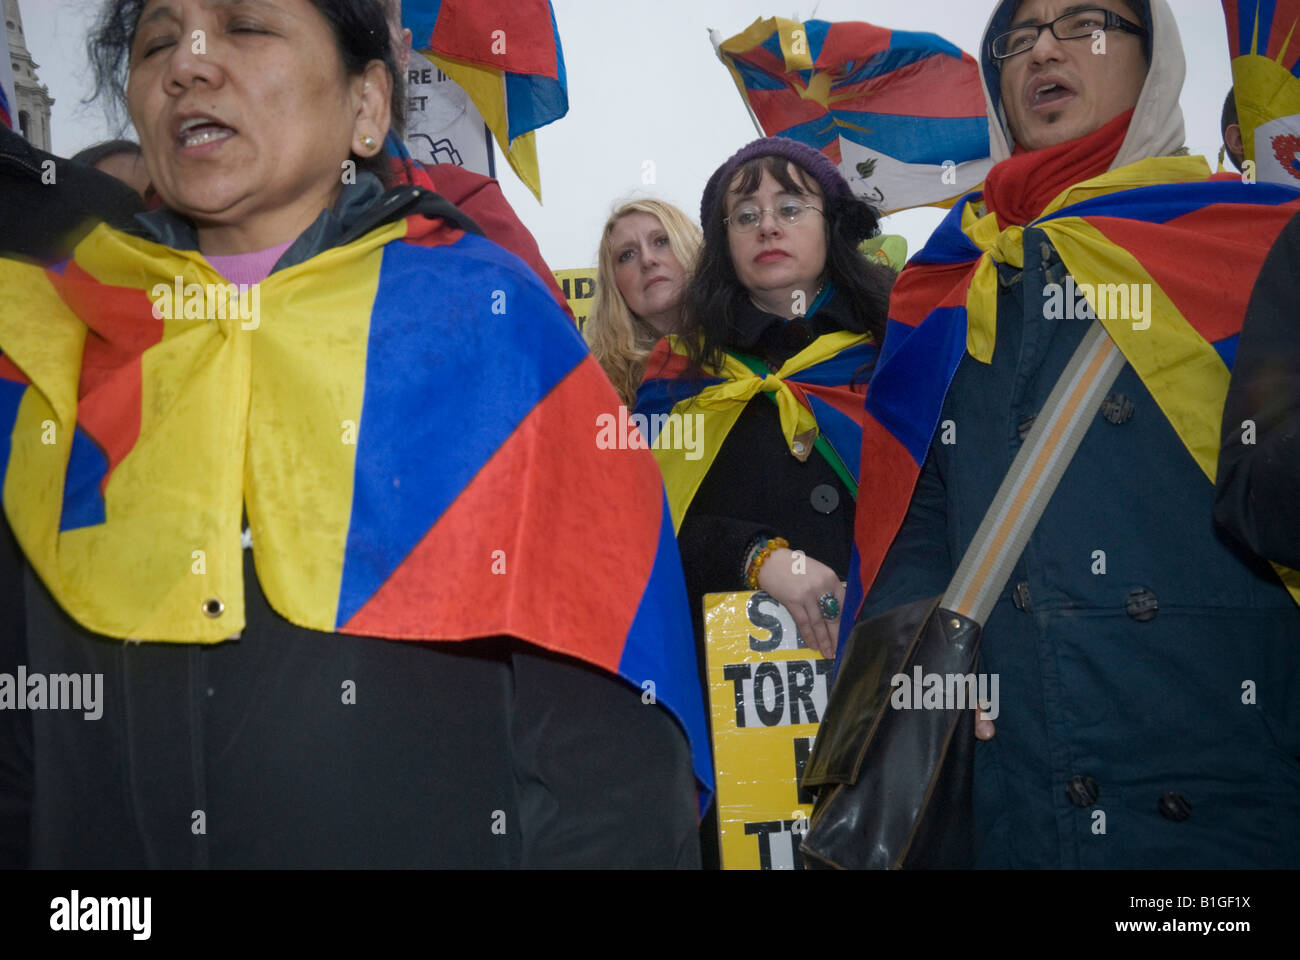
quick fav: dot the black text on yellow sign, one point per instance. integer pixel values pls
(767, 694)
(579, 288)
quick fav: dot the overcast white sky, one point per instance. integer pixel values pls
(644, 84)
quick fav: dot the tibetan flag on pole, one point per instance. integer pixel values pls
(507, 57)
(1265, 48)
(902, 114)
(7, 108)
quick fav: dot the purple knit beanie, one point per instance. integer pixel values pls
(813, 162)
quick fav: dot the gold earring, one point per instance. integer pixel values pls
(368, 142)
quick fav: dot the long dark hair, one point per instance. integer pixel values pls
(715, 289)
(361, 35)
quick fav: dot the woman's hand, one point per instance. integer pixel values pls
(797, 582)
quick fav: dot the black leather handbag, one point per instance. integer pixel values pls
(894, 780)
(894, 786)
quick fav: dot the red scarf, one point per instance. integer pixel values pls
(1019, 187)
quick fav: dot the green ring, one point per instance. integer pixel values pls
(829, 606)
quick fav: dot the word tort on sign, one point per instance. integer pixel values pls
(767, 694)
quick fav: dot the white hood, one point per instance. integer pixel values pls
(1157, 128)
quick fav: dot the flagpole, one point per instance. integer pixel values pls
(716, 39)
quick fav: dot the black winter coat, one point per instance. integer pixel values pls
(756, 486)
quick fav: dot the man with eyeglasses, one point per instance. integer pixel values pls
(1054, 87)
(1149, 708)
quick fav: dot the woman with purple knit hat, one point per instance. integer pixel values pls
(782, 322)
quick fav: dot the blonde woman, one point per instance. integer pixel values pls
(646, 252)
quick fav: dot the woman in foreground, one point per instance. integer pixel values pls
(281, 435)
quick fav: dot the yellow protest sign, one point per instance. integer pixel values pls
(579, 288)
(767, 694)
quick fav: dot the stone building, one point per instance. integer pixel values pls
(33, 100)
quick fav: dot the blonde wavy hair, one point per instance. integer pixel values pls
(619, 340)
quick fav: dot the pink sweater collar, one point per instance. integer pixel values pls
(248, 267)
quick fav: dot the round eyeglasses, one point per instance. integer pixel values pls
(747, 218)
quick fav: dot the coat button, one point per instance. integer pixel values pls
(1142, 605)
(1020, 597)
(1175, 807)
(1117, 409)
(1046, 252)
(1082, 791)
(1025, 426)
(825, 498)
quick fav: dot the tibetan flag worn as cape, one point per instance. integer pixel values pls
(506, 55)
(1264, 38)
(1200, 244)
(814, 392)
(901, 114)
(408, 420)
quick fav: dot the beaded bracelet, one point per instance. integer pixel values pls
(752, 551)
(776, 543)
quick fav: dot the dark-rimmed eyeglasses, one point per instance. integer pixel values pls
(747, 218)
(1071, 26)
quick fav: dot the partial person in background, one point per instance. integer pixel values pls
(1257, 496)
(647, 249)
(120, 159)
(476, 195)
(1228, 123)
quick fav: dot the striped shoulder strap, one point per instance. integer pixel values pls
(1028, 486)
